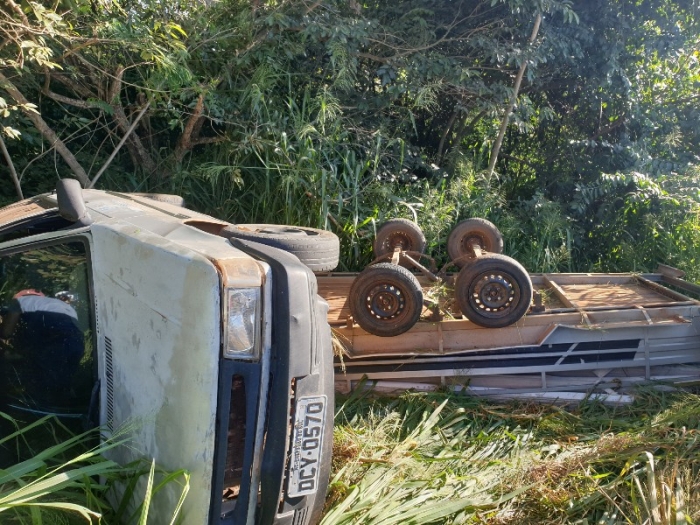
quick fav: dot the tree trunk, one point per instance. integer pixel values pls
(513, 101)
(13, 172)
(45, 130)
(184, 144)
(137, 151)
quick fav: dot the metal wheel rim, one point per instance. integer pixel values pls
(385, 301)
(494, 293)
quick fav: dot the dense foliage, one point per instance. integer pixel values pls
(340, 114)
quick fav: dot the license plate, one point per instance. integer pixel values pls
(307, 442)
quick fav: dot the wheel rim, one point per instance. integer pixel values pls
(385, 301)
(493, 294)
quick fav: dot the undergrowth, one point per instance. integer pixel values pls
(442, 458)
(52, 475)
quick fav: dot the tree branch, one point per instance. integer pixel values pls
(48, 133)
(13, 172)
(513, 100)
(67, 100)
(121, 143)
(184, 143)
(607, 129)
(445, 133)
(72, 85)
(138, 152)
(208, 140)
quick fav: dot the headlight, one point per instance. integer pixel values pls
(242, 326)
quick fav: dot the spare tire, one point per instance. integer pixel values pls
(317, 249)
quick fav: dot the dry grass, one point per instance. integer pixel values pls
(440, 458)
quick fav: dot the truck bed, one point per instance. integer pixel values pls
(591, 329)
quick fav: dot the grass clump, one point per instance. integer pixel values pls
(49, 474)
(442, 458)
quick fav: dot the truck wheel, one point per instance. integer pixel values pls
(317, 249)
(493, 291)
(386, 299)
(175, 200)
(399, 233)
(473, 231)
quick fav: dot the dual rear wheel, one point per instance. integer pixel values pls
(491, 290)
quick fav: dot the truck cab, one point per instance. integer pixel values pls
(211, 354)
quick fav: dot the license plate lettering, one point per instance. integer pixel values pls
(309, 422)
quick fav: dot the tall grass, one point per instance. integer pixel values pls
(51, 475)
(440, 458)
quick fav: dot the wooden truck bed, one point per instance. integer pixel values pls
(593, 329)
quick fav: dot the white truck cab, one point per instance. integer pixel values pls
(213, 352)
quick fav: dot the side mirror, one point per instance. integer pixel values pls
(71, 205)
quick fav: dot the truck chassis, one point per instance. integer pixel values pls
(586, 332)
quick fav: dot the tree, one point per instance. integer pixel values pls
(80, 75)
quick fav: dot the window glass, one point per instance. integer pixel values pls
(46, 357)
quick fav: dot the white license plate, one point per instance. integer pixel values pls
(307, 442)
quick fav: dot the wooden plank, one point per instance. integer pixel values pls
(648, 306)
(20, 210)
(559, 292)
(632, 294)
(683, 285)
(661, 290)
(591, 279)
(670, 271)
(418, 342)
(335, 289)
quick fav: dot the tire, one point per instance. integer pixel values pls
(317, 249)
(470, 231)
(175, 200)
(398, 232)
(386, 299)
(493, 291)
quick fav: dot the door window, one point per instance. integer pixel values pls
(46, 334)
